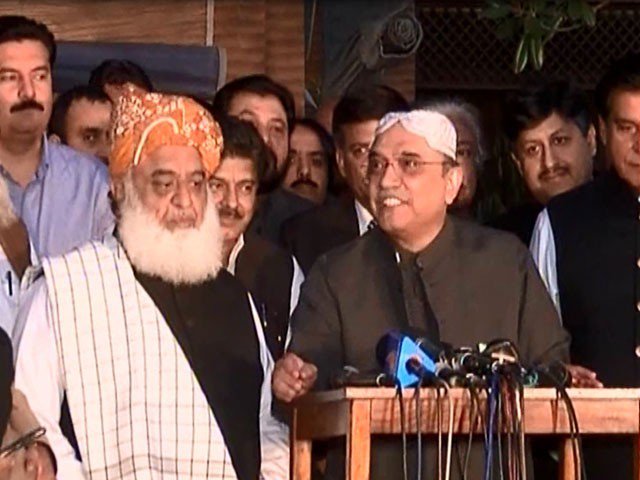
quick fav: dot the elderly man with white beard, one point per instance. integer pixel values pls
(158, 349)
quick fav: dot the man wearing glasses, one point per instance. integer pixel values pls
(421, 268)
(355, 117)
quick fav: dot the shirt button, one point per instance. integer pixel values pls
(638, 306)
(279, 338)
(638, 263)
(638, 351)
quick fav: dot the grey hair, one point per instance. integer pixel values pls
(468, 114)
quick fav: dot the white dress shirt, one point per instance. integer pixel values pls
(38, 376)
(364, 218)
(543, 250)
(12, 290)
(296, 281)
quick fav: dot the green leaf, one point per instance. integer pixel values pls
(522, 55)
(533, 27)
(590, 16)
(536, 52)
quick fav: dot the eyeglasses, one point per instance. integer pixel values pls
(403, 166)
(24, 441)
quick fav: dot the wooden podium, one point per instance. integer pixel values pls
(357, 413)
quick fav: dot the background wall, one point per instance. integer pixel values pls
(259, 36)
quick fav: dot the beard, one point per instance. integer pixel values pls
(180, 256)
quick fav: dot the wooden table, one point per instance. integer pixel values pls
(357, 413)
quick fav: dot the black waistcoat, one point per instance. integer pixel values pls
(597, 237)
(267, 271)
(213, 324)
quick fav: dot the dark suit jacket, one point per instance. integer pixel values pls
(520, 221)
(482, 284)
(267, 272)
(273, 210)
(315, 232)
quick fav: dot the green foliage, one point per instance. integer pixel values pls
(534, 22)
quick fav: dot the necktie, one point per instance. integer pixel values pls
(419, 312)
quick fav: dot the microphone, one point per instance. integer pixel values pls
(434, 348)
(404, 359)
(351, 377)
(554, 374)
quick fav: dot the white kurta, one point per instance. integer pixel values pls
(92, 331)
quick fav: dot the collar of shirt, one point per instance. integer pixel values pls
(43, 166)
(233, 256)
(364, 217)
(428, 258)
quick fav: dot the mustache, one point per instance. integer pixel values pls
(228, 212)
(26, 105)
(305, 181)
(558, 169)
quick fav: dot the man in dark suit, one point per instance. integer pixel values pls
(267, 271)
(552, 141)
(270, 107)
(586, 246)
(420, 268)
(355, 117)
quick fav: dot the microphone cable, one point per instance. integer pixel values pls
(447, 394)
(574, 429)
(403, 431)
(492, 407)
(475, 417)
(419, 429)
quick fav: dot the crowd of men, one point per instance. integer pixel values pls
(174, 271)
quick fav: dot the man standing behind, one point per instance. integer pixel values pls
(355, 118)
(157, 348)
(268, 272)
(113, 75)
(586, 246)
(270, 107)
(312, 159)
(81, 118)
(60, 194)
(421, 268)
(553, 141)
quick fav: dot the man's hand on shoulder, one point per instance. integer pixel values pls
(292, 377)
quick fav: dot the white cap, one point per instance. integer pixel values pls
(435, 128)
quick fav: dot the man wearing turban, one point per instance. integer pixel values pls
(158, 350)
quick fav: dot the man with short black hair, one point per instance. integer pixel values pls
(113, 74)
(586, 246)
(267, 271)
(60, 195)
(312, 161)
(553, 142)
(81, 118)
(355, 118)
(270, 107)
